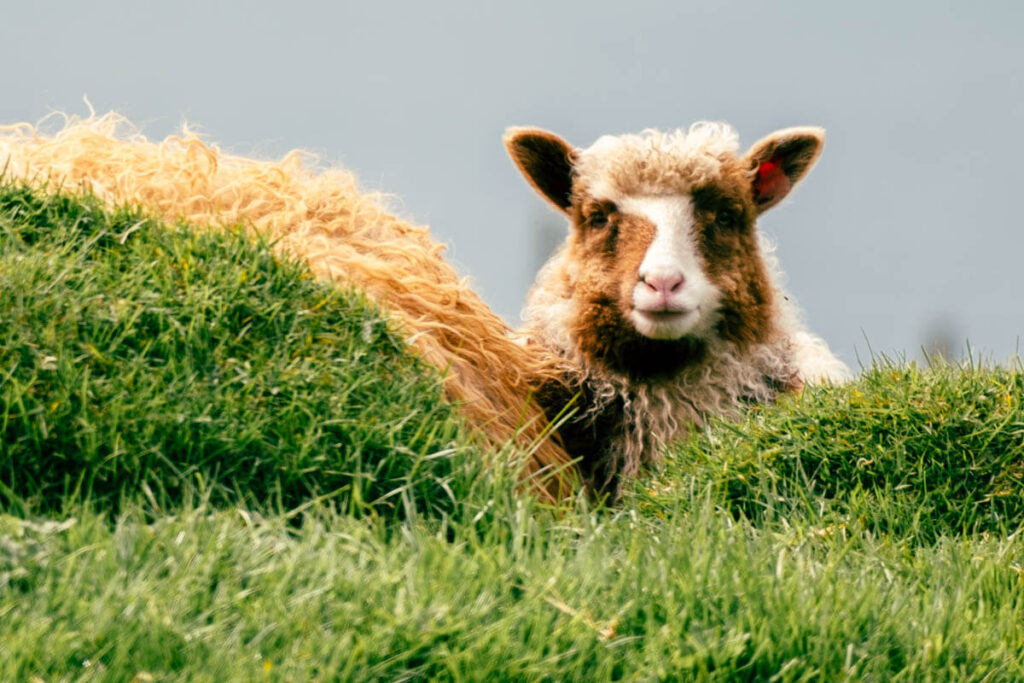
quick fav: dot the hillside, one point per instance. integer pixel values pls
(215, 467)
(147, 359)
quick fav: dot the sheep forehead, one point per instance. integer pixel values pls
(673, 248)
(655, 162)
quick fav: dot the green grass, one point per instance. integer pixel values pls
(904, 451)
(138, 359)
(320, 515)
(208, 595)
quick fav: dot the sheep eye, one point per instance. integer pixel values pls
(727, 218)
(598, 215)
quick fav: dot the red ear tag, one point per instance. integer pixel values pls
(771, 183)
(767, 169)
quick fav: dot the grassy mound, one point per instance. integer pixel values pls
(138, 359)
(903, 451)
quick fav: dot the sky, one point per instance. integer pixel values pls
(907, 230)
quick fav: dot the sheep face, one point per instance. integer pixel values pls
(663, 253)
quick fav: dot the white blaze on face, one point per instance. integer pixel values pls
(673, 297)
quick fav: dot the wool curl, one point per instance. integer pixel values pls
(655, 162)
(345, 235)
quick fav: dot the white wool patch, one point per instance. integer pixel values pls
(809, 354)
(689, 308)
(550, 308)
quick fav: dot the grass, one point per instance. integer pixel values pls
(223, 595)
(343, 527)
(138, 358)
(904, 451)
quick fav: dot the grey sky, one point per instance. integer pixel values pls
(910, 221)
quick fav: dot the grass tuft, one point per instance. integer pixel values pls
(902, 451)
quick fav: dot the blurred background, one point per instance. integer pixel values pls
(906, 236)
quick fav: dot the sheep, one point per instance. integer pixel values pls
(345, 235)
(664, 300)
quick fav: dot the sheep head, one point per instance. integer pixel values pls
(662, 254)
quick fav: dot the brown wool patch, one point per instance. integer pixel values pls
(725, 214)
(611, 341)
(586, 434)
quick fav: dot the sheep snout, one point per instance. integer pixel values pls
(663, 285)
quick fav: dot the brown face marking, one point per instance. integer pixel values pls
(607, 246)
(725, 213)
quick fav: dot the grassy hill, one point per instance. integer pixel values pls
(213, 467)
(143, 359)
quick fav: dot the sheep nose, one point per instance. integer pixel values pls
(664, 284)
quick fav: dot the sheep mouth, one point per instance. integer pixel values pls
(663, 315)
(665, 323)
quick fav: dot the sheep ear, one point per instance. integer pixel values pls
(780, 161)
(545, 160)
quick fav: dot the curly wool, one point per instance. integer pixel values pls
(345, 235)
(653, 162)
